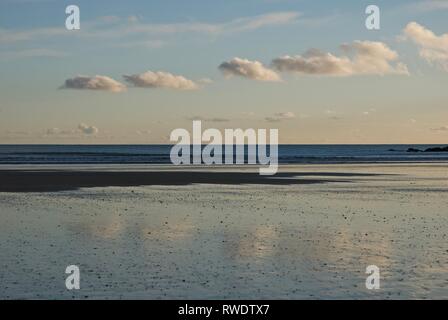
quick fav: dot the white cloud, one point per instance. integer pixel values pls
(281, 116)
(433, 48)
(120, 27)
(88, 130)
(248, 69)
(161, 79)
(364, 58)
(94, 83)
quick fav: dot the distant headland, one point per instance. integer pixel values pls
(433, 149)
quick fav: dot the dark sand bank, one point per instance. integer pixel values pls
(233, 241)
(59, 180)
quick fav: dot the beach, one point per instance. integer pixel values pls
(164, 233)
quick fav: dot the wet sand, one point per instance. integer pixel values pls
(203, 240)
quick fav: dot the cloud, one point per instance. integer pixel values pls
(33, 53)
(161, 79)
(41, 52)
(256, 22)
(204, 81)
(94, 83)
(442, 129)
(427, 6)
(332, 115)
(216, 119)
(60, 132)
(145, 44)
(133, 19)
(53, 131)
(433, 48)
(281, 116)
(238, 25)
(248, 69)
(82, 129)
(118, 27)
(17, 133)
(87, 130)
(143, 132)
(7, 36)
(369, 112)
(366, 58)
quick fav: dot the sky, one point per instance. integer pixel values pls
(136, 70)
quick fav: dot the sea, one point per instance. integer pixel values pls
(160, 154)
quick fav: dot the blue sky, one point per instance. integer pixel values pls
(357, 103)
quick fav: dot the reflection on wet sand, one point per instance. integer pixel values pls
(232, 241)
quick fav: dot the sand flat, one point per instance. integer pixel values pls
(234, 240)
